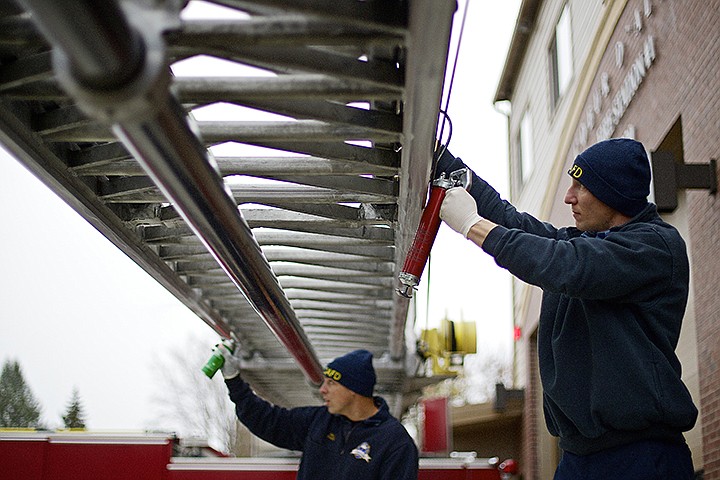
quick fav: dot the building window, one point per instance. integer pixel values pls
(561, 61)
(526, 159)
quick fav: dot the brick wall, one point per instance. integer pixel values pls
(705, 233)
(683, 84)
(701, 125)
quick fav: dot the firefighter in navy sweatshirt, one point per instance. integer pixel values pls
(353, 436)
(615, 288)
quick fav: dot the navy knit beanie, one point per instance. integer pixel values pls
(617, 172)
(354, 371)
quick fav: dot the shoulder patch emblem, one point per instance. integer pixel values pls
(362, 452)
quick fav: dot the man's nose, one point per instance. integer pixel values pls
(570, 196)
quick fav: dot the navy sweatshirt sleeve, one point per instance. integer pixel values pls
(284, 428)
(562, 261)
(619, 267)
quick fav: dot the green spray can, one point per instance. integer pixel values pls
(217, 359)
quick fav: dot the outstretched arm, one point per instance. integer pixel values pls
(491, 206)
(459, 212)
(284, 428)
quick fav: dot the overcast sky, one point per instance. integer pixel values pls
(76, 312)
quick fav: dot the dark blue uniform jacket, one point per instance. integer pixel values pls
(609, 324)
(333, 447)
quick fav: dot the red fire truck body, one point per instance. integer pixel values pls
(89, 456)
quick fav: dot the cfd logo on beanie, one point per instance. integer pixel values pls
(575, 171)
(617, 172)
(354, 371)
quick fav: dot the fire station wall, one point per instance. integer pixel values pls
(497, 438)
(660, 69)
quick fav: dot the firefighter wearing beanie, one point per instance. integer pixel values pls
(353, 436)
(615, 287)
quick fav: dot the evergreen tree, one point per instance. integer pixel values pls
(74, 414)
(18, 407)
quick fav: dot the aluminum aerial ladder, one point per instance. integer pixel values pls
(299, 258)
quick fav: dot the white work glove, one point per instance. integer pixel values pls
(459, 210)
(229, 368)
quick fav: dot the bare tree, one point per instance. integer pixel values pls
(476, 381)
(190, 403)
(482, 372)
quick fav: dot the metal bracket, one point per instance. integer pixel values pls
(670, 175)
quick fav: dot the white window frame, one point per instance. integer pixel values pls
(561, 55)
(526, 155)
